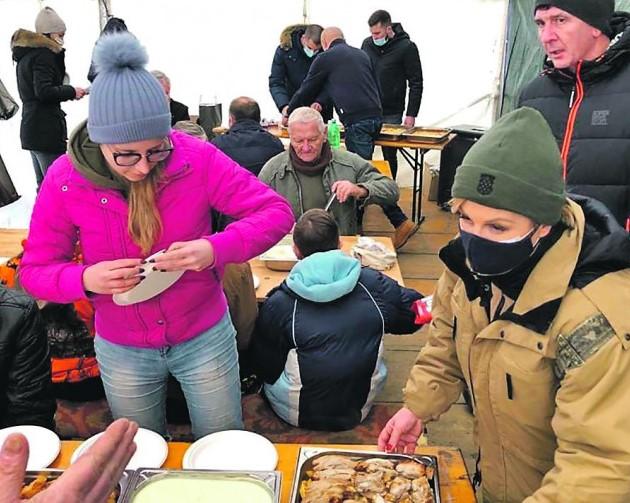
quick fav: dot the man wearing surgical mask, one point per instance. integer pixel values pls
(530, 316)
(42, 84)
(397, 64)
(299, 46)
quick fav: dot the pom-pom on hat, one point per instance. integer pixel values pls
(127, 103)
(48, 21)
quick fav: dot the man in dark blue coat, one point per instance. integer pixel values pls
(247, 142)
(319, 336)
(299, 46)
(346, 74)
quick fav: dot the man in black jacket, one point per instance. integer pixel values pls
(179, 111)
(397, 63)
(247, 142)
(299, 46)
(41, 74)
(584, 93)
(346, 74)
(26, 395)
(319, 339)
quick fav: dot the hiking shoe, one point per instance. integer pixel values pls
(403, 232)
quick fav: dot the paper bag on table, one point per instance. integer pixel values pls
(373, 254)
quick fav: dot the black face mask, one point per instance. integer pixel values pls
(495, 258)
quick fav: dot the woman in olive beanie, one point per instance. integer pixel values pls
(530, 316)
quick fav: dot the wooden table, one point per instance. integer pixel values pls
(454, 481)
(270, 279)
(413, 153)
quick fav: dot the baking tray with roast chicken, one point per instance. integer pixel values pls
(342, 476)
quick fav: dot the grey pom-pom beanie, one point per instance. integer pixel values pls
(127, 103)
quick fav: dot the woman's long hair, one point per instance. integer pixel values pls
(144, 222)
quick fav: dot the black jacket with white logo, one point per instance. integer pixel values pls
(589, 115)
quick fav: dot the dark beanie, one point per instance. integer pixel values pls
(596, 13)
(515, 166)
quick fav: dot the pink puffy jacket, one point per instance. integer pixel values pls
(199, 178)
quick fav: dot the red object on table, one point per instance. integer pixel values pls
(422, 310)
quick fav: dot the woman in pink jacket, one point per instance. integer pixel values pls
(129, 187)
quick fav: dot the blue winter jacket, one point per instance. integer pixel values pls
(319, 340)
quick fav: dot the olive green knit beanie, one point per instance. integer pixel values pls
(515, 166)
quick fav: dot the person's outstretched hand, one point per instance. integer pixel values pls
(401, 432)
(90, 480)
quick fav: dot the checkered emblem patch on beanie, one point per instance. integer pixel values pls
(485, 185)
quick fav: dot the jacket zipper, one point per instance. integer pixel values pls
(574, 107)
(299, 186)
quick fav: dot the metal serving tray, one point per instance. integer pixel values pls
(392, 132)
(280, 257)
(307, 455)
(145, 476)
(426, 134)
(52, 475)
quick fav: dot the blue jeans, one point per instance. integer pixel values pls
(390, 154)
(41, 163)
(360, 138)
(206, 367)
(361, 135)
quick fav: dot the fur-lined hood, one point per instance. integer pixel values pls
(286, 37)
(25, 39)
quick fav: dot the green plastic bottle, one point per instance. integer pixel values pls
(334, 134)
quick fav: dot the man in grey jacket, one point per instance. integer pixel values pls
(310, 172)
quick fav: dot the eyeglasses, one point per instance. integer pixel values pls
(132, 158)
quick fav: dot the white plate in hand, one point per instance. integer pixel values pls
(43, 444)
(151, 450)
(231, 450)
(154, 283)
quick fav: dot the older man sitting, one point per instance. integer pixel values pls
(310, 172)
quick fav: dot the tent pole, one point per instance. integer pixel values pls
(104, 11)
(497, 102)
(305, 11)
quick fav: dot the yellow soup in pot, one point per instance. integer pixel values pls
(171, 489)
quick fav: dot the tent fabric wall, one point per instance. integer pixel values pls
(225, 49)
(524, 56)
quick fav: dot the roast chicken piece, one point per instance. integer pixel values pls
(323, 491)
(374, 464)
(369, 482)
(399, 487)
(411, 469)
(334, 462)
(421, 491)
(342, 475)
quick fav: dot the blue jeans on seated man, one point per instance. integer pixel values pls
(360, 138)
(206, 367)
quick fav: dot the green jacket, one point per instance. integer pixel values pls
(279, 174)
